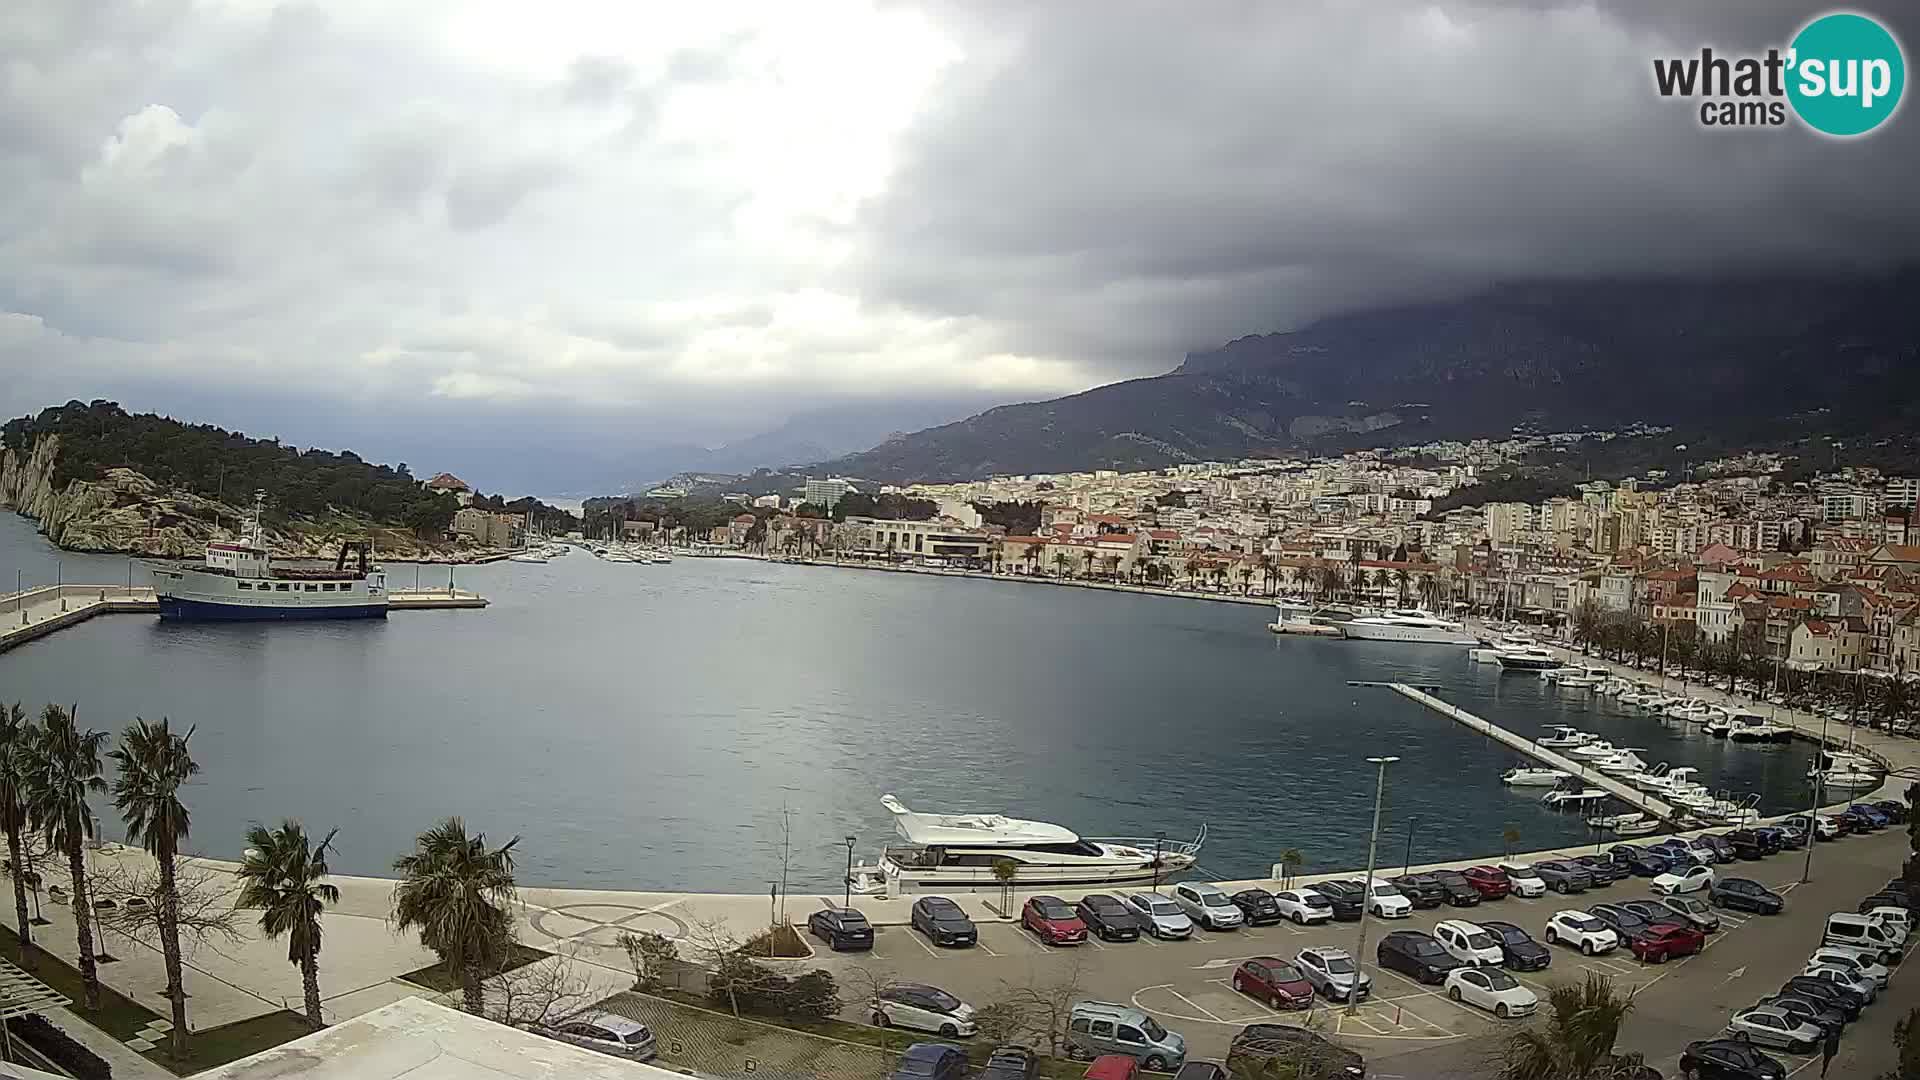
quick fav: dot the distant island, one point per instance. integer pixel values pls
(96, 477)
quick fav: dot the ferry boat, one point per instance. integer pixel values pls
(1407, 625)
(960, 851)
(238, 581)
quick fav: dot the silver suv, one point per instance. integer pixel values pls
(1208, 905)
(607, 1033)
(1333, 973)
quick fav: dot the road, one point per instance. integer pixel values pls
(1408, 1030)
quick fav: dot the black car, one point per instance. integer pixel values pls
(943, 922)
(1788, 836)
(841, 928)
(1835, 995)
(1625, 923)
(1894, 809)
(1258, 905)
(1010, 1063)
(931, 1061)
(1723, 852)
(1746, 843)
(1602, 870)
(1729, 1059)
(1745, 895)
(1107, 917)
(1346, 897)
(1258, 1044)
(1460, 892)
(1883, 898)
(1423, 890)
(1518, 951)
(1416, 954)
(1655, 911)
(1818, 1013)
(1639, 861)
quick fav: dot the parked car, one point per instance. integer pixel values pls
(1522, 878)
(1873, 816)
(1729, 1059)
(1723, 852)
(1307, 906)
(841, 928)
(1680, 854)
(1491, 989)
(1106, 916)
(1819, 1013)
(1692, 879)
(1518, 950)
(1768, 1026)
(1468, 943)
(1208, 905)
(923, 1008)
(1417, 955)
(1838, 997)
(607, 1033)
(1424, 890)
(1895, 810)
(1581, 930)
(1311, 1053)
(1744, 894)
(1663, 941)
(931, 1061)
(1160, 916)
(1272, 980)
(1639, 861)
(943, 922)
(1347, 898)
(1458, 890)
(1833, 826)
(1010, 1063)
(1257, 906)
(1859, 961)
(1386, 902)
(1488, 881)
(1603, 870)
(1792, 834)
(1898, 917)
(1203, 1070)
(1333, 973)
(1112, 1067)
(1884, 898)
(1691, 911)
(1103, 1027)
(1848, 977)
(1746, 843)
(1052, 921)
(1563, 875)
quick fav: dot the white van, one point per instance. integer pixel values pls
(1896, 918)
(1860, 931)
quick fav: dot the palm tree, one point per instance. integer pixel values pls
(62, 767)
(284, 876)
(16, 734)
(455, 892)
(1060, 561)
(1576, 1043)
(1402, 579)
(153, 764)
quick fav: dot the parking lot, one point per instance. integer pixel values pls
(1187, 984)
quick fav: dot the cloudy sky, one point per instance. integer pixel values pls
(559, 245)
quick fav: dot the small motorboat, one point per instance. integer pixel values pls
(1636, 828)
(1614, 821)
(1531, 777)
(1574, 798)
(1599, 748)
(1849, 772)
(1752, 729)
(1718, 724)
(1565, 736)
(1528, 658)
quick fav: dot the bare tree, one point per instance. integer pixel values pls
(126, 896)
(652, 956)
(1042, 1005)
(543, 994)
(719, 949)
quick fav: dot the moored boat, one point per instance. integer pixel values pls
(1408, 626)
(239, 581)
(1532, 777)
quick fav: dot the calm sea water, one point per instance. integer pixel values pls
(648, 726)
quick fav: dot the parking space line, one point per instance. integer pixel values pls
(1148, 939)
(1249, 1000)
(1190, 1001)
(984, 947)
(915, 938)
(1355, 1017)
(1095, 942)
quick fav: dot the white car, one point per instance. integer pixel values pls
(1769, 1026)
(1859, 961)
(1692, 879)
(1304, 906)
(1491, 989)
(1525, 882)
(1896, 921)
(1470, 944)
(1387, 902)
(1208, 905)
(923, 1008)
(1847, 977)
(1161, 916)
(1582, 931)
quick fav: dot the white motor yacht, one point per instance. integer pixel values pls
(1531, 777)
(1654, 779)
(1636, 828)
(1749, 728)
(1599, 748)
(1623, 764)
(1577, 682)
(1673, 781)
(1490, 653)
(1719, 722)
(1850, 772)
(1565, 736)
(1693, 712)
(1528, 658)
(1574, 798)
(1614, 821)
(1410, 626)
(946, 852)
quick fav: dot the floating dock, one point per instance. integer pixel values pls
(1593, 777)
(35, 613)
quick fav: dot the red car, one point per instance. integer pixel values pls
(1053, 921)
(1662, 941)
(1489, 881)
(1274, 981)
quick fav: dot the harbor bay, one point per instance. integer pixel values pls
(652, 726)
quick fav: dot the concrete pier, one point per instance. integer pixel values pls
(1626, 793)
(35, 613)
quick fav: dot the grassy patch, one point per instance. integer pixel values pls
(437, 977)
(122, 1017)
(779, 942)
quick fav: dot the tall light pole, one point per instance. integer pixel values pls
(1813, 811)
(1366, 894)
(847, 901)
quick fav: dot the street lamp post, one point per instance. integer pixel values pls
(847, 901)
(1408, 867)
(1813, 809)
(1366, 905)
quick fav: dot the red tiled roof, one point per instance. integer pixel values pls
(448, 481)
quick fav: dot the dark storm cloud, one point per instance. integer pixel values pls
(1132, 181)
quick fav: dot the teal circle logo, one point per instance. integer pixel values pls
(1846, 74)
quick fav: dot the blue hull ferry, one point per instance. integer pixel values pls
(238, 582)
